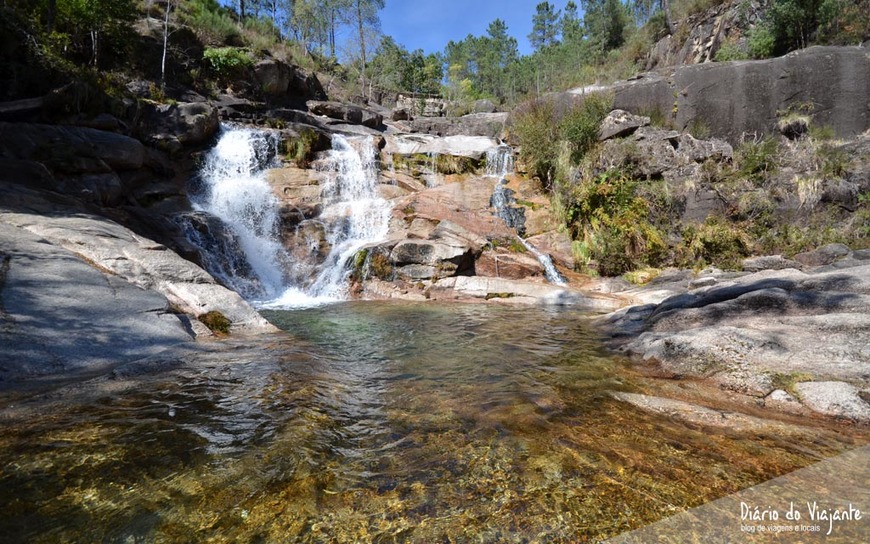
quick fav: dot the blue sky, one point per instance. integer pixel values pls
(430, 25)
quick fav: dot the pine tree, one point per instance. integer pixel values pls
(544, 26)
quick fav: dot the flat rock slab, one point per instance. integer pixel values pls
(700, 415)
(60, 314)
(754, 332)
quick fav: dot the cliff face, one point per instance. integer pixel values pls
(733, 98)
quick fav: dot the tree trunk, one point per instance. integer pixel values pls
(666, 8)
(95, 36)
(165, 45)
(50, 15)
(242, 8)
(332, 33)
(362, 44)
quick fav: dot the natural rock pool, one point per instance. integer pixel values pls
(376, 422)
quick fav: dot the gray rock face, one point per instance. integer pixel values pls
(733, 98)
(768, 262)
(73, 150)
(170, 127)
(60, 314)
(751, 332)
(620, 123)
(836, 399)
(823, 255)
(273, 76)
(483, 106)
(490, 125)
(137, 260)
(347, 113)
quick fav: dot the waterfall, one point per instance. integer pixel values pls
(499, 161)
(353, 215)
(553, 276)
(233, 189)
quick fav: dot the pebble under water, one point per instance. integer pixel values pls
(374, 422)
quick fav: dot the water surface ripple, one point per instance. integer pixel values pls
(374, 422)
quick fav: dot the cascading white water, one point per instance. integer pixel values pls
(500, 163)
(235, 190)
(553, 276)
(353, 215)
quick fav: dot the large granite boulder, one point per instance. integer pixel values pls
(171, 127)
(347, 113)
(72, 150)
(490, 125)
(62, 314)
(761, 332)
(115, 250)
(273, 76)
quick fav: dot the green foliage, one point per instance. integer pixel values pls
(822, 133)
(605, 23)
(579, 126)
(834, 161)
(216, 322)
(756, 159)
(761, 42)
(539, 125)
(228, 63)
(715, 241)
(844, 22)
(731, 51)
(613, 224)
(795, 24)
(536, 128)
(394, 68)
(302, 148)
(211, 23)
(545, 26)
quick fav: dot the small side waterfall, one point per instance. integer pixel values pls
(553, 276)
(500, 163)
(233, 190)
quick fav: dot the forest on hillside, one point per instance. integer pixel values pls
(46, 41)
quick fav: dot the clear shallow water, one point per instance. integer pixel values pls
(373, 422)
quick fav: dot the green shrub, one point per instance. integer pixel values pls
(834, 161)
(537, 131)
(760, 41)
(211, 23)
(228, 63)
(302, 148)
(715, 241)
(757, 158)
(579, 126)
(822, 132)
(730, 51)
(613, 225)
(540, 126)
